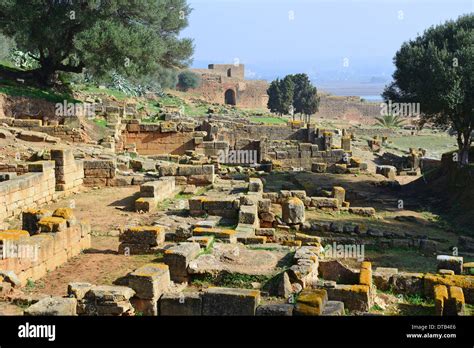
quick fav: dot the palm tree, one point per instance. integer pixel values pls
(390, 121)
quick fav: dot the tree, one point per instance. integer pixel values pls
(306, 100)
(274, 96)
(293, 90)
(287, 87)
(389, 121)
(187, 79)
(437, 70)
(131, 38)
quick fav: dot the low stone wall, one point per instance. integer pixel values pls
(199, 175)
(60, 238)
(153, 192)
(71, 133)
(225, 207)
(165, 138)
(69, 172)
(28, 190)
(99, 172)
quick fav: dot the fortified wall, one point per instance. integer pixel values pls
(226, 84)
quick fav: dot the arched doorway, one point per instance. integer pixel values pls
(229, 97)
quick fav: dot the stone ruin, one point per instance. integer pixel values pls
(231, 224)
(313, 283)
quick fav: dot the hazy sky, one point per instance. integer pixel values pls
(275, 37)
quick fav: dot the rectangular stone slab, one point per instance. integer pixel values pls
(227, 301)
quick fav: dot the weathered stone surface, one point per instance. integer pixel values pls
(339, 193)
(267, 232)
(109, 293)
(148, 235)
(57, 306)
(389, 172)
(186, 303)
(146, 204)
(311, 302)
(355, 297)
(146, 307)
(52, 224)
(275, 310)
(454, 263)
(293, 211)
(364, 211)
(248, 215)
(228, 236)
(335, 270)
(324, 203)
(281, 286)
(466, 283)
(31, 217)
(440, 294)
(150, 281)
(178, 258)
(78, 290)
(203, 241)
(455, 304)
(365, 277)
(407, 283)
(227, 301)
(468, 268)
(381, 277)
(334, 308)
(10, 277)
(255, 185)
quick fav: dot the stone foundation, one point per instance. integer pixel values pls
(31, 257)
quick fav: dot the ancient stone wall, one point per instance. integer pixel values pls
(226, 84)
(233, 132)
(348, 108)
(99, 172)
(69, 172)
(31, 257)
(70, 132)
(28, 190)
(164, 138)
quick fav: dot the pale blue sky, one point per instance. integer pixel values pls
(262, 34)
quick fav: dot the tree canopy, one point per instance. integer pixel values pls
(293, 90)
(132, 38)
(187, 79)
(436, 70)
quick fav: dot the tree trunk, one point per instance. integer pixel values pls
(464, 144)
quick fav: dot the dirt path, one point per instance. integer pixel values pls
(106, 209)
(99, 265)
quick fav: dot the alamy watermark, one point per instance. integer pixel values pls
(400, 109)
(19, 251)
(67, 109)
(345, 251)
(237, 156)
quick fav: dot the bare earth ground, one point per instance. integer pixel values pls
(99, 265)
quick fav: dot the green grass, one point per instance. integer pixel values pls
(96, 90)
(268, 120)
(209, 248)
(435, 144)
(405, 259)
(230, 280)
(262, 248)
(199, 192)
(100, 122)
(418, 300)
(14, 89)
